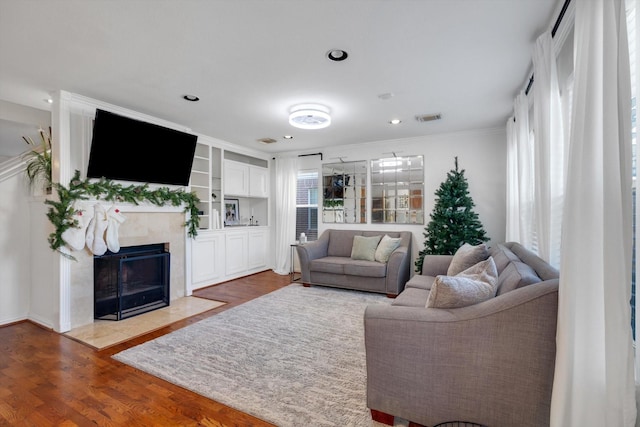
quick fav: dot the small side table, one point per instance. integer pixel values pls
(292, 271)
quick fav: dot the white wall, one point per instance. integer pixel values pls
(15, 259)
(482, 154)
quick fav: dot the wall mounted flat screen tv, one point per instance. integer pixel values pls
(132, 150)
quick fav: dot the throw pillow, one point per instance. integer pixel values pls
(469, 287)
(364, 248)
(467, 256)
(386, 246)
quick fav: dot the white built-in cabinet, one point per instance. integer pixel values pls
(207, 254)
(258, 182)
(258, 248)
(237, 245)
(224, 251)
(236, 178)
(241, 179)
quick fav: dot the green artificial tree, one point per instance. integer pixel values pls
(453, 221)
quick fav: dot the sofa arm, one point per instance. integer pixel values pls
(398, 270)
(434, 265)
(307, 253)
(490, 363)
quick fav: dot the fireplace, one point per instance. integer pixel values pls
(133, 281)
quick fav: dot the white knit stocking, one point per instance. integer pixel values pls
(95, 230)
(114, 219)
(75, 237)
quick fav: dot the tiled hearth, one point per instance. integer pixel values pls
(104, 333)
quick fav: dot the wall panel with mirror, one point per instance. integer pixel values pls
(397, 188)
(344, 191)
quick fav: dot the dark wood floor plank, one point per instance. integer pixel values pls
(47, 379)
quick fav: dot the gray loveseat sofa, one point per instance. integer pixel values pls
(490, 363)
(327, 261)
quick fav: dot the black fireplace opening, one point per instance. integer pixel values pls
(133, 281)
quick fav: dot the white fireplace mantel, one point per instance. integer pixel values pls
(145, 222)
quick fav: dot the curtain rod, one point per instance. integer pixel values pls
(311, 154)
(305, 155)
(553, 33)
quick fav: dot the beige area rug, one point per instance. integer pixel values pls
(106, 333)
(294, 357)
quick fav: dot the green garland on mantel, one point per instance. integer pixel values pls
(61, 212)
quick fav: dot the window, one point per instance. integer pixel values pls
(307, 204)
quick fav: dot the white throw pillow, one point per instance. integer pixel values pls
(469, 287)
(386, 246)
(467, 256)
(364, 248)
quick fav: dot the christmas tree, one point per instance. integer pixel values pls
(453, 221)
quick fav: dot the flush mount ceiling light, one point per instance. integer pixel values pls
(337, 55)
(310, 116)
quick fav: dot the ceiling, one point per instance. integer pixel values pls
(250, 61)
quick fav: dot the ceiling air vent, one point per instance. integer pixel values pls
(429, 117)
(267, 140)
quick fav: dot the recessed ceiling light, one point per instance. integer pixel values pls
(385, 96)
(288, 137)
(191, 98)
(309, 116)
(395, 121)
(337, 55)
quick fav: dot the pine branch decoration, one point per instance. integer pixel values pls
(61, 212)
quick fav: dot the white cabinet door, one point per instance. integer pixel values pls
(258, 181)
(236, 178)
(257, 249)
(206, 255)
(236, 252)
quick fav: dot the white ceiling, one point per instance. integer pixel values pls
(250, 61)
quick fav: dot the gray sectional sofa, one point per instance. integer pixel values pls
(490, 363)
(328, 262)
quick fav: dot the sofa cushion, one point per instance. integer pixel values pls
(364, 248)
(329, 264)
(386, 246)
(413, 297)
(420, 282)
(502, 256)
(341, 242)
(471, 286)
(516, 275)
(467, 256)
(365, 268)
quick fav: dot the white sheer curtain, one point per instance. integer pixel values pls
(513, 199)
(594, 377)
(286, 183)
(549, 150)
(520, 175)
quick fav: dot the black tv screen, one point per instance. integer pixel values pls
(132, 150)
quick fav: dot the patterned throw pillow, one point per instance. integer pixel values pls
(364, 248)
(471, 286)
(386, 246)
(466, 256)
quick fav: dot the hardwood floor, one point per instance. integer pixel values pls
(47, 379)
